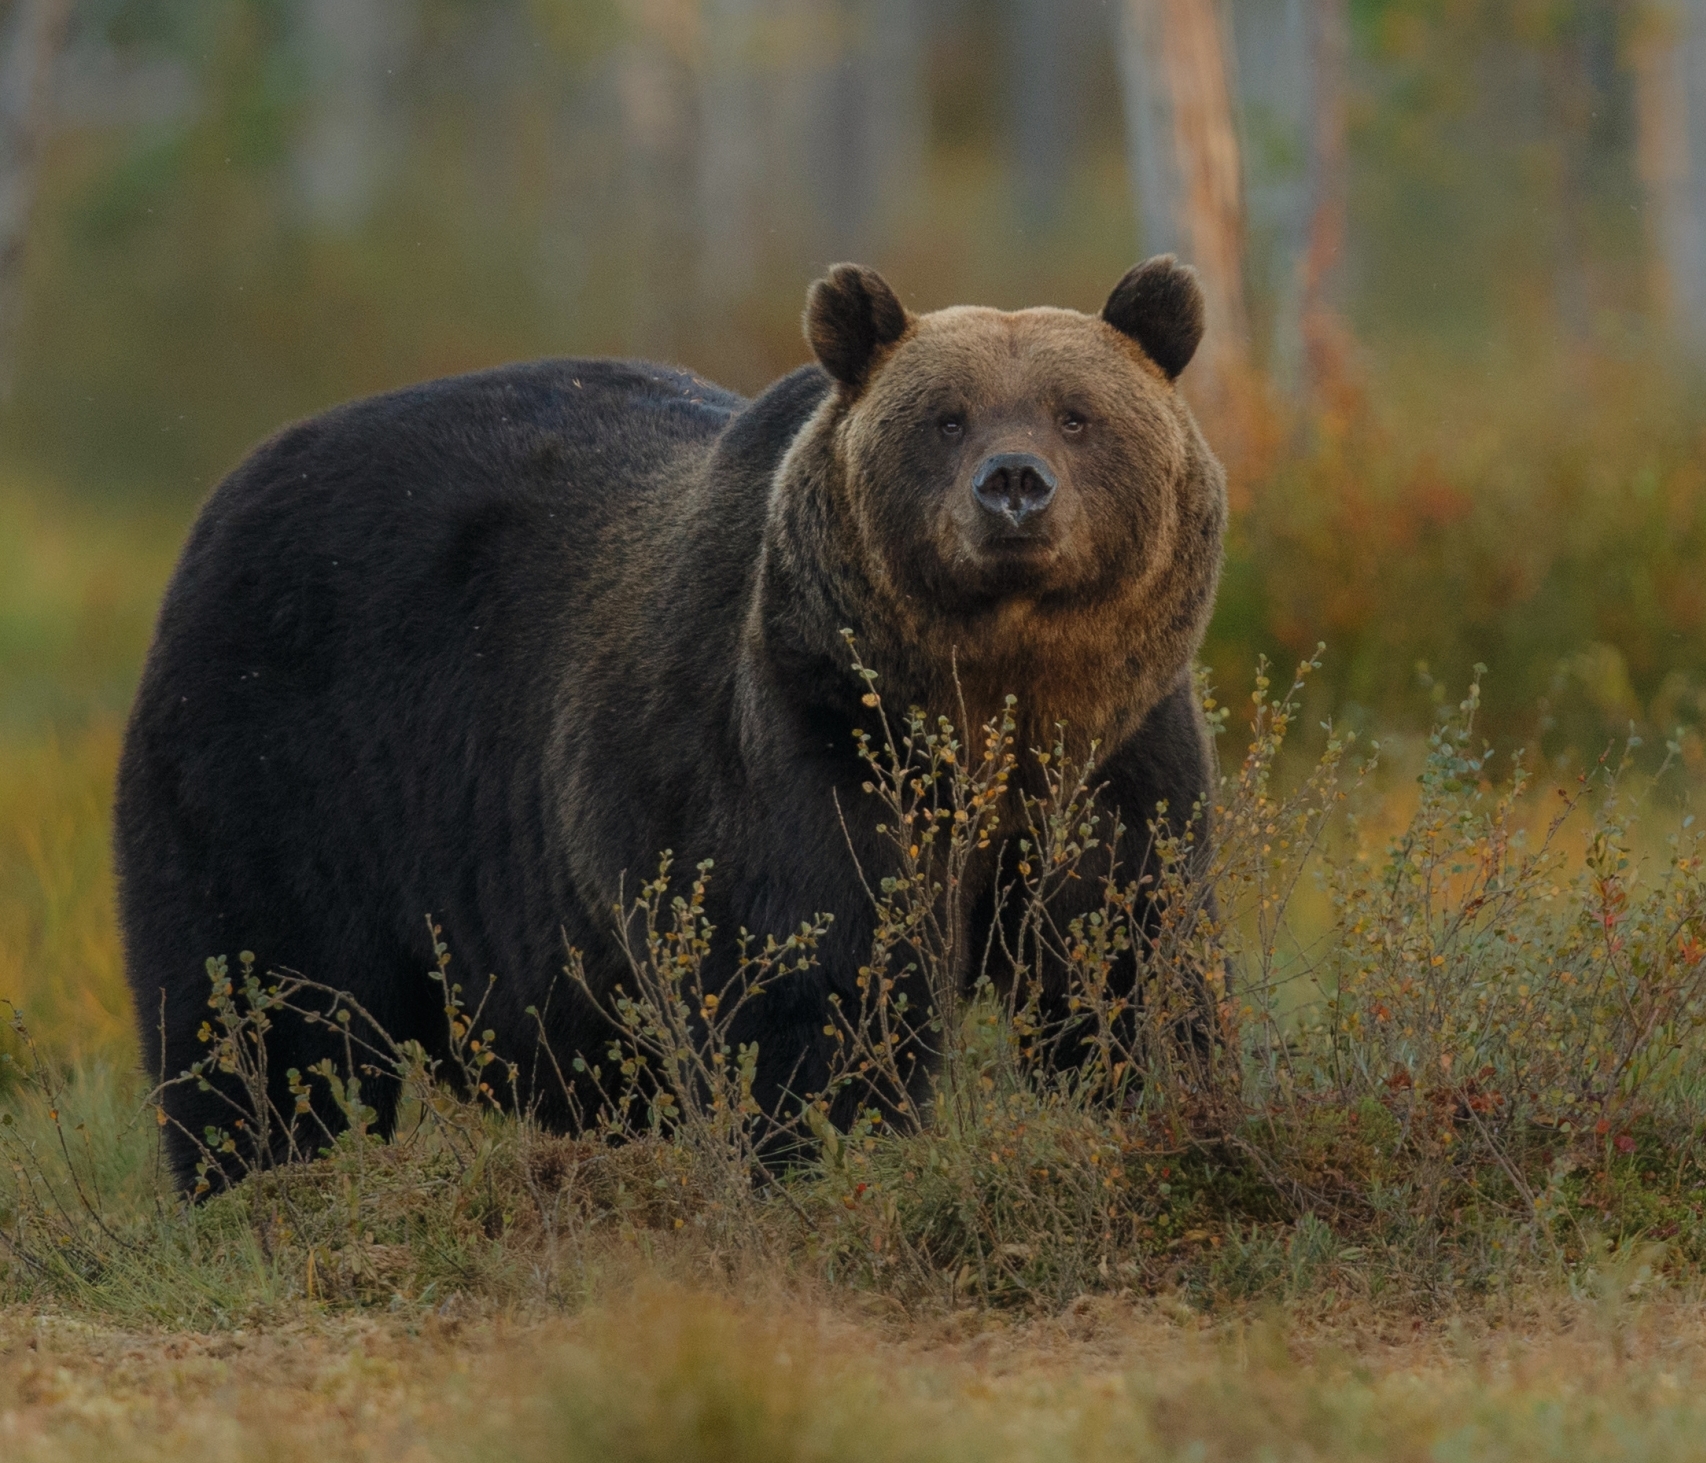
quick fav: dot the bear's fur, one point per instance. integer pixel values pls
(484, 647)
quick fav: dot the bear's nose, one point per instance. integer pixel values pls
(1013, 485)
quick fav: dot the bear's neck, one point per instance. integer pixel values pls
(1096, 670)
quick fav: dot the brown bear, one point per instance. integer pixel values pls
(484, 647)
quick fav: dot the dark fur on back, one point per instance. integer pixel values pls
(483, 648)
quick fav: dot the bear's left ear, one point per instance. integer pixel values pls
(1159, 304)
(851, 315)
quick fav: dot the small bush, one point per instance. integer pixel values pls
(1484, 1055)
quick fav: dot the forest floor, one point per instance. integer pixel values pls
(662, 1371)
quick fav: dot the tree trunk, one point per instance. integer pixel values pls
(657, 75)
(1324, 338)
(1275, 99)
(1667, 54)
(898, 128)
(862, 118)
(353, 133)
(1183, 147)
(30, 43)
(732, 152)
(1043, 103)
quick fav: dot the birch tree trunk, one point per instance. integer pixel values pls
(1275, 114)
(1324, 338)
(30, 42)
(1668, 58)
(899, 106)
(861, 113)
(354, 133)
(1042, 92)
(732, 153)
(1183, 149)
(1691, 265)
(658, 71)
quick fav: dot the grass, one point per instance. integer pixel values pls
(1434, 1188)
(79, 585)
(668, 1372)
(59, 948)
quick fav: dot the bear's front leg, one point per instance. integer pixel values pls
(1082, 948)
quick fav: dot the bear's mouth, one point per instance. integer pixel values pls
(1017, 548)
(1005, 564)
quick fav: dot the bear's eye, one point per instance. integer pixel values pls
(1073, 423)
(951, 426)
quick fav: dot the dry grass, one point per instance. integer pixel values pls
(662, 1372)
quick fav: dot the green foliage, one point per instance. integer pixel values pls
(1542, 513)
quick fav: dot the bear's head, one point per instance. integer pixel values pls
(1017, 502)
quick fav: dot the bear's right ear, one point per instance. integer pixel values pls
(851, 315)
(1159, 304)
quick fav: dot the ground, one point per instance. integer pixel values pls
(660, 1371)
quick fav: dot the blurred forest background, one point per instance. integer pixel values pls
(1456, 251)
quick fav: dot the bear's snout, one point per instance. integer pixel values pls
(1014, 486)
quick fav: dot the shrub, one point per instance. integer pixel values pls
(1455, 1058)
(1439, 1060)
